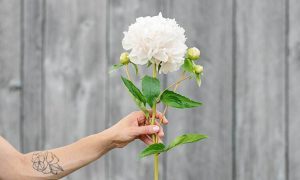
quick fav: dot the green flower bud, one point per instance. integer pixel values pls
(193, 53)
(198, 69)
(124, 59)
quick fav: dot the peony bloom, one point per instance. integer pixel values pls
(158, 39)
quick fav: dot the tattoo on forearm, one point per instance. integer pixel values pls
(46, 162)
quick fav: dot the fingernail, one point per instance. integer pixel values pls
(155, 128)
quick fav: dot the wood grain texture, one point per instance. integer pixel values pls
(294, 89)
(208, 26)
(10, 64)
(32, 110)
(124, 164)
(260, 90)
(75, 73)
(55, 87)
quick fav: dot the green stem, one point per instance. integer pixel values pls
(153, 114)
(154, 70)
(156, 167)
(155, 140)
(127, 72)
(154, 136)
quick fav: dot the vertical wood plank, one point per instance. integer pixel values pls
(10, 81)
(260, 90)
(294, 89)
(208, 26)
(75, 74)
(33, 15)
(124, 164)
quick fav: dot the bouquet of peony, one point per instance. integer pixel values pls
(159, 42)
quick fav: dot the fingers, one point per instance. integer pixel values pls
(146, 139)
(161, 117)
(146, 130)
(160, 140)
(141, 120)
(140, 116)
(161, 132)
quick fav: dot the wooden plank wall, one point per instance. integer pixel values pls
(260, 90)
(293, 86)
(75, 75)
(213, 157)
(55, 89)
(10, 71)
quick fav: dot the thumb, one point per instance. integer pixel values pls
(151, 129)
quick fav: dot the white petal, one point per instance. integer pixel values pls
(161, 56)
(157, 39)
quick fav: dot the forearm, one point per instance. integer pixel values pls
(59, 162)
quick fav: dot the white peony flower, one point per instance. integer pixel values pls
(158, 39)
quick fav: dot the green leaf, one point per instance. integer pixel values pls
(136, 69)
(138, 97)
(152, 149)
(142, 106)
(160, 148)
(188, 65)
(150, 88)
(184, 139)
(115, 67)
(135, 92)
(175, 100)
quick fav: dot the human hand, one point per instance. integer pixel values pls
(135, 126)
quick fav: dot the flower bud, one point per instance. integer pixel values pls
(198, 69)
(193, 53)
(124, 59)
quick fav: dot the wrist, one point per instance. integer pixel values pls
(109, 138)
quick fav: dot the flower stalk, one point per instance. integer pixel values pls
(127, 72)
(164, 56)
(155, 136)
(176, 84)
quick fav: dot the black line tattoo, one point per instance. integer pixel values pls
(46, 162)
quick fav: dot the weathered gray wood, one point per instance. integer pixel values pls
(294, 89)
(208, 26)
(75, 73)
(10, 81)
(124, 164)
(32, 110)
(64, 94)
(260, 90)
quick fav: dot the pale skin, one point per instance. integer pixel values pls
(59, 162)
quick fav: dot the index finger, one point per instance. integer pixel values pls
(160, 116)
(141, 116)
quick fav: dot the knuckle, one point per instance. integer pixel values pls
(147, 130)
(133, 113)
